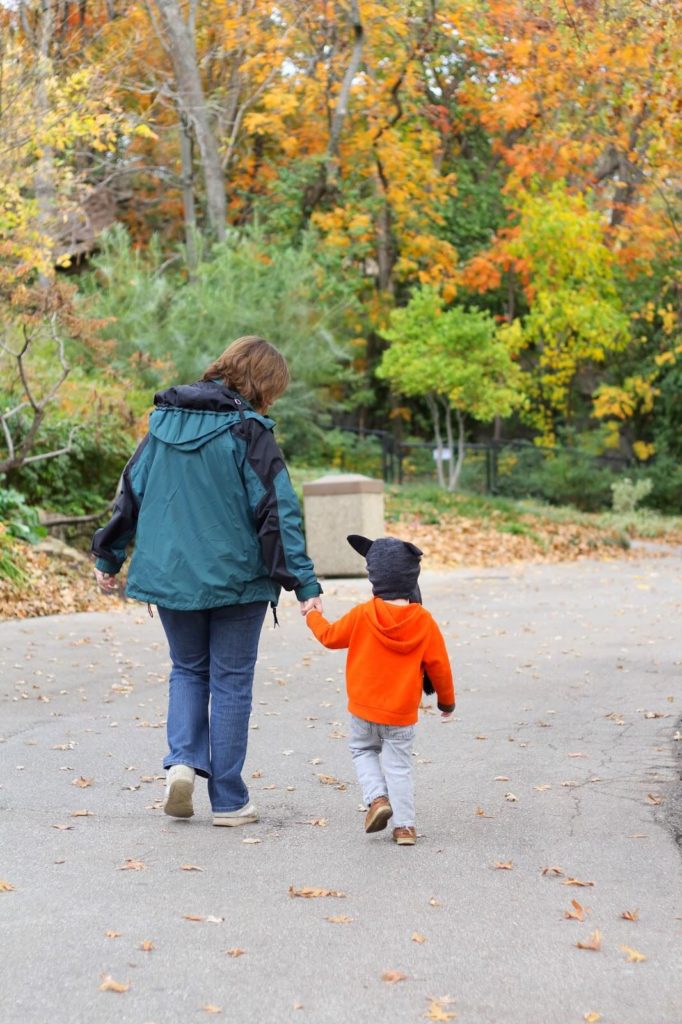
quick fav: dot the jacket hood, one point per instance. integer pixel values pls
(400, 627)
(188, 415)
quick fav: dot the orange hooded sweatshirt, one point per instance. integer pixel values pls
(389, 647)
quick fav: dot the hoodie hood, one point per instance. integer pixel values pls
(187, 416)
(400, 627)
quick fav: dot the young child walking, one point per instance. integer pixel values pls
(392, 642)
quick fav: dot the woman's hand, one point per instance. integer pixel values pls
(106, 582)
(313, 604)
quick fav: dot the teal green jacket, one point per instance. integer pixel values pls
(208, 500)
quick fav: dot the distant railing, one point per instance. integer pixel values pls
(510, 468)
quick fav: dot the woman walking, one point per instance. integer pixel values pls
(217, 535)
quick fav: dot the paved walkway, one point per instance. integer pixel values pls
(560, 766)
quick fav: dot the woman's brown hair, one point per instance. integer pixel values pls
(254, 368)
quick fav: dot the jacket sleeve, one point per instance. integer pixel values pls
(110, 542)
(277, 513)
(334, 635)
(436, 662)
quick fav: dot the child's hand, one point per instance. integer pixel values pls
(107, 582)
(313, 604)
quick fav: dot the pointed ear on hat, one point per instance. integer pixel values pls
(359, 544)
(413, 548)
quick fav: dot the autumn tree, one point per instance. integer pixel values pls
(455, 360)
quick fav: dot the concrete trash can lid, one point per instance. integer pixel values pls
(343, 483)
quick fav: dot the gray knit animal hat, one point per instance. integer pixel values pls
(392, 566)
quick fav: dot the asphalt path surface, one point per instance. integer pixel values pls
(560, 766)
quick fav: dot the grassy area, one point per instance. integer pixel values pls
(431, 506)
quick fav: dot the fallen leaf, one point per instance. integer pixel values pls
(310, 893)
(147, 946)
(251, 840)
(593, 941)
(257, 774)
(211, 1008)
(320, 822)
(578, 912)
(192, 917)
(82, 783)
(109, 985)
(390, 977)
(510, 797)
(480, 813)
(633, 956)
(592, 1018)
(113, 935)
(297, 1006)
(504, 865)
(436, 1011)
(81, 814)
(653, 798)
(577, 755)
(541, 789)
(638, 835)
(501, 778)
(339, 919)
(418, 938)
(190, 867)
(62, 828)
(133, 865)
(212, 919)
(64, 746)
(576, 881)
(434, 902)
(630, 915)
(235, 952)
(553, 871)
(481, 737)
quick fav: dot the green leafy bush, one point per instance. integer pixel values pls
(18, 518)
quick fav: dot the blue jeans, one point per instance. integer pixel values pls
(382, 756)
(213, 654)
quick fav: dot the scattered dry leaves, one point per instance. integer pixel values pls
(630, 915)
(592, 942)
(82, 782)
(436, 1010)
(235, 952)
(147, 946)
(654, 799)
(504, 865)
(339, 919)
(592, 1018)
(82, 814)
(553, 871)
(480, 813)
(418, 938)
(391, 977)
(109, 984)
(211, 1008)
(577, 881)
(133, 865)
(633, 956)
(190, 867)
(6, 886)
(577, 913)
(310, 893)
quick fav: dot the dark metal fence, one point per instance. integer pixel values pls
(515, 469)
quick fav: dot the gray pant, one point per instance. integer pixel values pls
(382, 755)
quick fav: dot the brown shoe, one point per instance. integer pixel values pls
(405, 835)
(378, 814)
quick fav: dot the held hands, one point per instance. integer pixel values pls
(106, 582)
(313, 604)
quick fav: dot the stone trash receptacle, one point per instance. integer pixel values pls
(335, 506)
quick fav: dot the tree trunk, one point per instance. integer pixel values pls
(44, 178)
(456, 464)
(433, 408)
(189, 209)
(180, 38)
